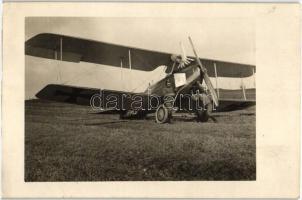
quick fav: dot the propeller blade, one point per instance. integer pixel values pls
(211, 88)
(183, 55)
(205, 76)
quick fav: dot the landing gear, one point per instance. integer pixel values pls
(204, 114)
(132, 114)
(163, 114)
(123, 114)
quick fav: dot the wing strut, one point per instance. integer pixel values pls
(129, 52)
(61, 48)
(129, 58)
(216, 79)
(122, 81)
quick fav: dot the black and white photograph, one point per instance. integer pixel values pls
(139, 99)
(151, 100)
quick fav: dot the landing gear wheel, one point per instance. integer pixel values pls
(123, 114)
(163, 115)
(204, 114)
(141, 114)
(130, 114)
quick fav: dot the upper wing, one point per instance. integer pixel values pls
(228, 69)
(72, 49)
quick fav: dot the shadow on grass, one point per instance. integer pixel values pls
(104, 123)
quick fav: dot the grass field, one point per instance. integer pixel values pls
(68, 143)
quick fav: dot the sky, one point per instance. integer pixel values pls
(226, 39)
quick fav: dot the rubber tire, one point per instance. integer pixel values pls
(141, 114)
(162, 114)
(204, 115)
(123, 114)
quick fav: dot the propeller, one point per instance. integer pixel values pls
(205, 76)
(184, 59)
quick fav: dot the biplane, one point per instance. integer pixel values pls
(187, 85)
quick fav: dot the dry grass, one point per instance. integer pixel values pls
(67, 143)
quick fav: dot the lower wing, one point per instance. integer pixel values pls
(96, 98)
(236, 99)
